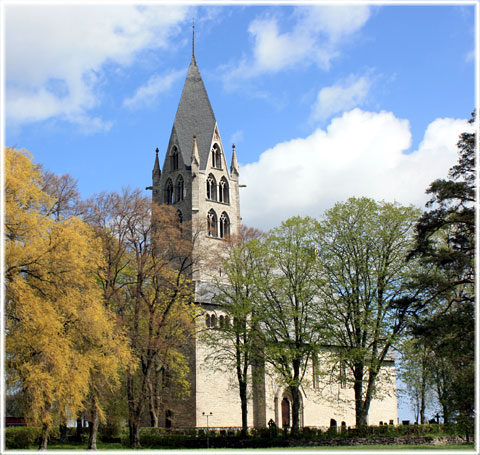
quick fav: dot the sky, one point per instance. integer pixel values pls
(322, 102)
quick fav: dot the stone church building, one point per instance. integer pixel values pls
(199, 182)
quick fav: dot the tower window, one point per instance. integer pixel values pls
(224, 226)
(216, 157)
(207, 320)
(179, 188)
(212, 223)
(169, 192)
(211, 188)
(223, 194)
(174, 159)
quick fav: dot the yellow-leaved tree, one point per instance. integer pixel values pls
(61, 341)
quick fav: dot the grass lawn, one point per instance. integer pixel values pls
(118, 446)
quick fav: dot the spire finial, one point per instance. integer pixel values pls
(193, 38)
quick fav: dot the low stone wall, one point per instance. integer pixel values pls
(259, 443)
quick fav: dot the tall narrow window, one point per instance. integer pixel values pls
(211, 188)
(174, 159)
(179, 187)
(224, 226)
(169, 192)
(216, 157)
(212, 223)
(223, 194)
(343, 375)
(315, 365)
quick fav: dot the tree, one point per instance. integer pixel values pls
(363, 246)
(144, 281)
(445, 243)
(417, 373)
(58, 334)
(234, 343)
(288, 306)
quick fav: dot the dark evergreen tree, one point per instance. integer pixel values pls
(445, 242)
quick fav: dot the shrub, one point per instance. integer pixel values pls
(21, 437)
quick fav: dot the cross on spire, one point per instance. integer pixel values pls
(193, 38)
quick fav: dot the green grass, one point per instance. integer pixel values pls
(469, 446)
(118, 446)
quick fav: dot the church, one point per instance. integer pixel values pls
(203, 187)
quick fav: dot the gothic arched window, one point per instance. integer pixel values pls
(179, 187)
(223, 194)
(212, 223)
(216, 157)
(221, 320)
(211, 188)
(207, 320)
(224, 225)
(174, 159)
(213, 321)
(169, 192)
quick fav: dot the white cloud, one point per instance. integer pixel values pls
(359, 154)
(315, 37)
(148, 93)
(340, 97)
(55, 54)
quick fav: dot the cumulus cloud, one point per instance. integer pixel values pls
(315, 37)
(358, 154)
(340, 97)
(149, 92)
(55, 54)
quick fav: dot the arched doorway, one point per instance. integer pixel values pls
(285, 412)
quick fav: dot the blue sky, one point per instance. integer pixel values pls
(323, 102)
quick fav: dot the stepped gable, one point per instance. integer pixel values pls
(194, 117)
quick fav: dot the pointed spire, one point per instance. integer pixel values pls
(234, 168)
(195, 154)
(156, 173)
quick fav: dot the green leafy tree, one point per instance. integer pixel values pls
(363, 246)
(288, 307)
(235, 344)
(417, 372)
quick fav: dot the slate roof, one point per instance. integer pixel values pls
(194, 116)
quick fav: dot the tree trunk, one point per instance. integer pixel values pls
(78, 434)
(423, 386)
(151, 406)
(244, 401)
(44, 437)
(93, 426)
(360, 414)
(295, 409)
(134, 429)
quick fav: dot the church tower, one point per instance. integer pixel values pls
(197, 181)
